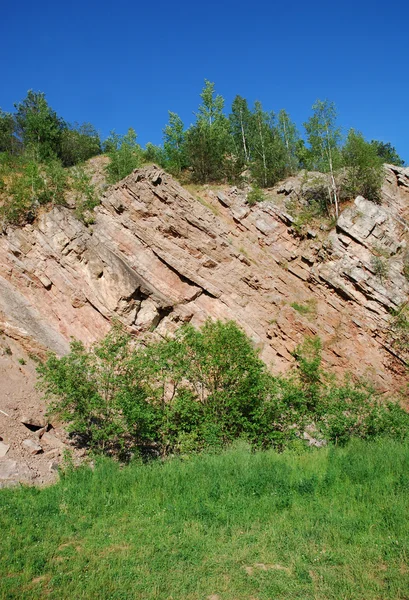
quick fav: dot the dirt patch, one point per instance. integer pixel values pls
(19, 400)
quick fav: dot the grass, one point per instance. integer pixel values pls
(309, 308)
(319, 525)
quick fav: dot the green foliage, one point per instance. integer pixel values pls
(326, 525)
(204, 389)
(125, 154)
(202, 384)
(387, 153)
(8, 142)
(255, 195)
(154, 154)
(291, 139)
(364, 168)
(208, 141)
(253, 144)
(35, 145)
(268, 151)
(324, 152)
(86, 198)
(174, 145)
(89, 386)
(240, 129)
(78, 144)
(38, 127)
(399, 330)
(37, 131)
(380, 267)
(323, 137)
(32, 185)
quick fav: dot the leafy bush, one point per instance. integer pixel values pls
(399, 330)
(387, 153)
(27, 185)
(364, 168)
(78, 144)
(379, 267)
(86, 198)
(255, 195)
(204, 389)
(125, 154)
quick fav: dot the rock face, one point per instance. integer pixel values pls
(157, 257)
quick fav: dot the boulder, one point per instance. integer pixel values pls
(12, 472)
(33, 421)
(32, 446)
(52, 440)
(223, 199)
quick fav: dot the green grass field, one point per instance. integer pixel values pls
(325, 524)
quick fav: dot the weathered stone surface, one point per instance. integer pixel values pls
(52, 440)
(240, 212)
(223, 199)
(157, 257)
(54, 453)
(12, 472)
(32, 446)
(33, 421)
(371, 225)
(312, 441)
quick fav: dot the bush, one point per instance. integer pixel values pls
(255, 195)
(125, 154)
(28, 185)
(379, 267)
(364, 168)
(399, 330)
(204, 389)
(78, 144)
(86, 198)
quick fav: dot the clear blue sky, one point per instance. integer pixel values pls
(126, 63)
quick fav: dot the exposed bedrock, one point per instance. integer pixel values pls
(156, 257)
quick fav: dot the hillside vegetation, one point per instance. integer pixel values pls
(204, 389)
(41, 154)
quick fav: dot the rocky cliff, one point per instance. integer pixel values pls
(158, 256)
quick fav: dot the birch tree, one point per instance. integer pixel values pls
(364, 172)
(208, 143)
(174, 144)
(266, 148)
(324, 137)
(290, 137)
(240, 124)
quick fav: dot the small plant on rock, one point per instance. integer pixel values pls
(255, 195)
(379, 267)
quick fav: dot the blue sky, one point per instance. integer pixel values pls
(126, 63)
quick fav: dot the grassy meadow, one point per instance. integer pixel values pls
(322, 524)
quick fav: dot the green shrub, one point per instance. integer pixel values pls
(86, 198)
(27, 185)
(364, 168)
(379, 267)
(309, 308)
(399, 330)
(125, 154)
(204, 389)
(255, 195)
